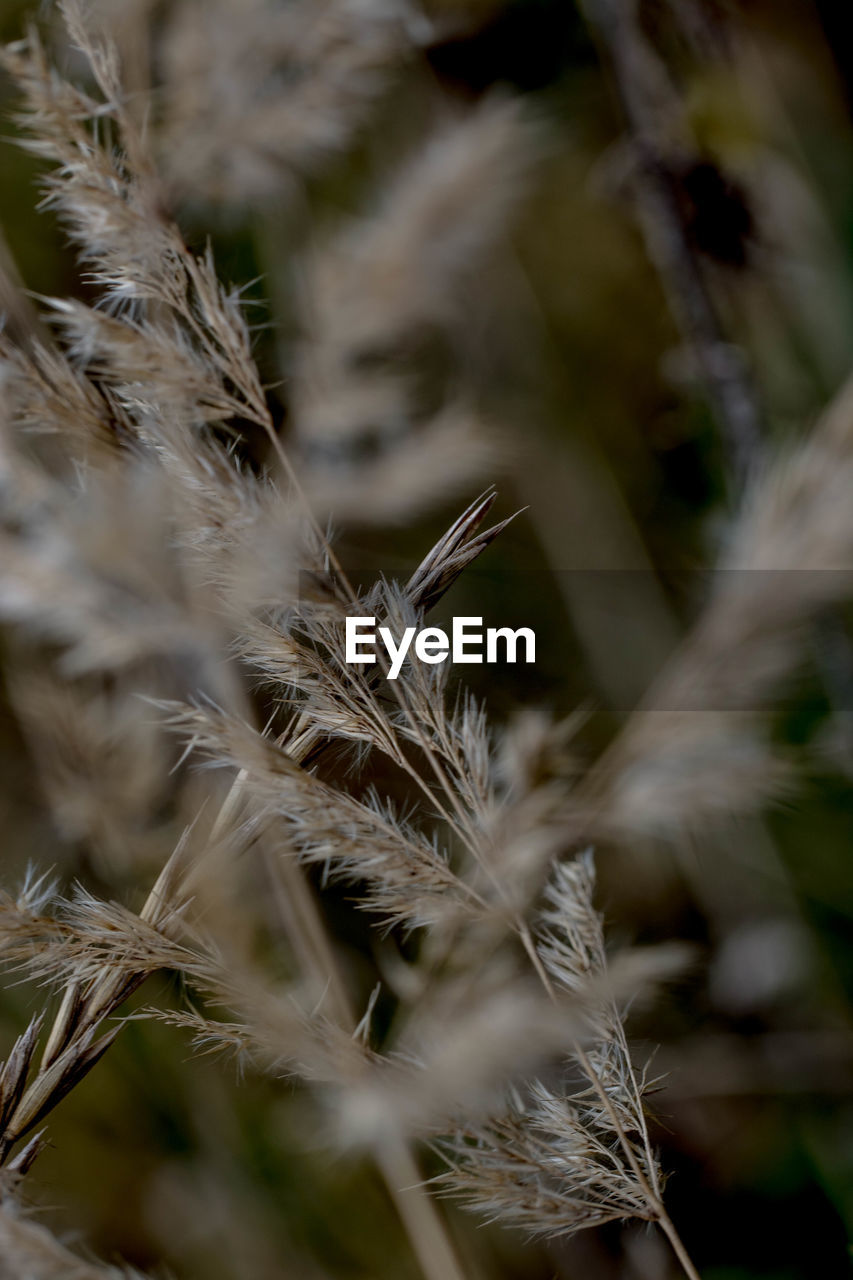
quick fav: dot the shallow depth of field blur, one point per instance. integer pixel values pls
(613, 445)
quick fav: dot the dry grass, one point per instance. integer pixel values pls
(146, 551)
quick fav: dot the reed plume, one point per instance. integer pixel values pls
(162, 538)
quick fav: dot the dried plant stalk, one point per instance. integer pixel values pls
(506, 1046)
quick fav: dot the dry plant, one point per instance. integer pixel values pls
(27, 1249)
(146, 550)
(257, 96)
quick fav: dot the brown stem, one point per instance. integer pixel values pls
(424, 1227)
(426, 1231)
(656, 123)
(667, 1226)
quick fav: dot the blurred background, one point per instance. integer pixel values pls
(673, 304)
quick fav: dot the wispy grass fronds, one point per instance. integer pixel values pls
(85, 950)
(88, 566)
(541, 1167)
(362, 841)
(101, 953)
(555, 1162)
(700, 747)
(28, 1249)
(378, 385)
(171, 553)
(48, 396)
(256, 97)
(102, 763)
(105, 189)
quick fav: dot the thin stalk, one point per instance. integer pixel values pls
(644, 87)
(421, 1221)
(464, 831)
(426, 1231)
(668, 1228)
